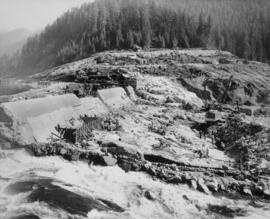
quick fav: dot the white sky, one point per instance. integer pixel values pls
(33, 14)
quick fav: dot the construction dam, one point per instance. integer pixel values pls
(35, 120)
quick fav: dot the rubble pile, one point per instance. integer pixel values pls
(234, 128)
(80, 90)
(254, 152)
(110, 123)
(157, 127)
(249, 143)
(248, 158)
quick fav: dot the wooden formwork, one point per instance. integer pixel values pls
(76, 135)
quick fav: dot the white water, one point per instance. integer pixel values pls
(109, 183)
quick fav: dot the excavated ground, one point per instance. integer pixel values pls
(154, 133)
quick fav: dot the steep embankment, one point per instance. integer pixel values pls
(212, 75)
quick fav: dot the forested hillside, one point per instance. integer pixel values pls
(239, 26)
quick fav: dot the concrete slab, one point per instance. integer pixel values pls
(114, 97)
(23, 109)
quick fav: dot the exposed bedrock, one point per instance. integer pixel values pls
(205, 179)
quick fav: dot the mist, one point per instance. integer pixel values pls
(32, 14)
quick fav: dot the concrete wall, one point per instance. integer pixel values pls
(24, 109)
(114, 97)
(34, 120)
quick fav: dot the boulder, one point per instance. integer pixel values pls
(258, 189)
(125, 165)
(175, 180)
(131, 93)
(202, 187)
(213, 185)
(247, 191)
(149, 195)
(109, 160)
(193, 184)
(120, 148)
(72, 155)
(187, 176)
(63, 151)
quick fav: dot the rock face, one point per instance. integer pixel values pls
(195, 86)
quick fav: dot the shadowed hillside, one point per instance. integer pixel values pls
(13, 40)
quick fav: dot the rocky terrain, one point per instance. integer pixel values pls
(160, 131)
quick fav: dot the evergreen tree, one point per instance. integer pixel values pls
(241, 27)
(119, 36)
(161, 41)
(130, 39)
(146, 28)
(246, 50)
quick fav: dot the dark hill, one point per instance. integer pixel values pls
(241, 27)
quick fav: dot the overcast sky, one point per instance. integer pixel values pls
(32, 14)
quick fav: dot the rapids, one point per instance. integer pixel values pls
(51, 187)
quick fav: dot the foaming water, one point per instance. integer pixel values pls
(51, 187)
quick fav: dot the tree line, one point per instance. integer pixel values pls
(239, 26)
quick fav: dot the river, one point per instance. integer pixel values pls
(12, 86)
(51, 187)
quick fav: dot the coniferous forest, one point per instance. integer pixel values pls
(239, 26)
